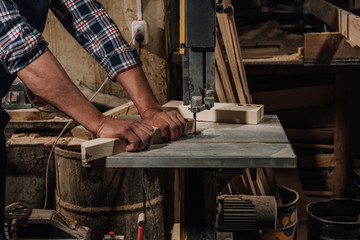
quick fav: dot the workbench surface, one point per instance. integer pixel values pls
(217, 145)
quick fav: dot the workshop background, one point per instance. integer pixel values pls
(313, 92)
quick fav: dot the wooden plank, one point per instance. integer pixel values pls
(239, 59)
(326, 12)
(125, 109)
(262, 182)
(222, 112)
(81, 132)
(249, 182)
(296, 97)
(239, 186)
(270, 176)
(353, 28)
(24, 114)
(103, 147)
(223, 72)
(347, 23)
(229, 47)
(220, 94)
(329, 49)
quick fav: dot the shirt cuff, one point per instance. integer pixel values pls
(14, 62)
(122, 61)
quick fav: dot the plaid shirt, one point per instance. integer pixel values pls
(86, 20)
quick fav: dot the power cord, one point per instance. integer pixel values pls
(141, 174)
(139, 38)
(54, 145)
(33, 104)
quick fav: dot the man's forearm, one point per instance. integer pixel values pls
(46, 78)
(139, 90)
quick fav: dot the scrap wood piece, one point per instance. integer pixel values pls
(222, 112)
(224, 25)
(104, 147)
(329, 48)
(249, 181)
(220, 94)
(81, 132)
(223, 72)
(125, 109)
(239, 58)
(101, 147)
(347, 23)
(24, 114)
(326, 12)
(270, 176)
(262, 182)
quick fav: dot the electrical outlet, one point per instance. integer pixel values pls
(139, 27)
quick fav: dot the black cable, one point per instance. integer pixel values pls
(139, 38)
(139, 49)
(149, 201)
(33, 104)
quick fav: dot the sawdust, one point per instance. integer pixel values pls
(35, 139)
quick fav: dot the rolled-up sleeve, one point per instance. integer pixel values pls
(88, 22)
(20, 43)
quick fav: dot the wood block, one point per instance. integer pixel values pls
(24, 114)
(263, 182)
(224, 25)
(270, 176)
(125, 109)
(332, 47)
(222, 112)
(101, 147)
(326, 12)
(81, 132)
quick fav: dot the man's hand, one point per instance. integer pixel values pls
(171, 123)
(138, 135)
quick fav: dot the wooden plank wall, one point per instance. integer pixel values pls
(81, 67)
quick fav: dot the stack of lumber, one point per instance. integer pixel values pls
(232, 87)
(230, 77)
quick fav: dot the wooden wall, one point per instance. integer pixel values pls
(81, 67)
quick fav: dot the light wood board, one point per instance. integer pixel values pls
(222, 112)
(103, 147)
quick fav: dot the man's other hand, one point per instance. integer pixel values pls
(171, 123)
(139, 135)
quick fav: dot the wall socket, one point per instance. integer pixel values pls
(139, 27)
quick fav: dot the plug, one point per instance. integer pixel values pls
(138, 29)
(139, 38)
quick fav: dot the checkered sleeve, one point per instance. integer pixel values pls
(20, 43)
(88, 22)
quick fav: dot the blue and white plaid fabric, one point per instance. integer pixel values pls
(86, 20)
